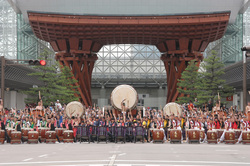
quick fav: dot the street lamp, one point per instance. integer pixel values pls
(247, 54)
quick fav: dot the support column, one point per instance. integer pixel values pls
(177, 54)
(80, 56)
(81, 67)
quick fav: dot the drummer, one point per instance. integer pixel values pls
(228, 127)
(244, 127)
(43, 122)
(177, 125)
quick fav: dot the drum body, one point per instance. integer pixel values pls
(202, 134)
(16, 137)
(212, 136)
(33, 137)
(193, 136)
(36, 113)
(50, 136)
(59, 133)
(158, 135)
(43, 133)
(25, 132)
(237, 134)
(230, 137)
(68, 136)
(2, 136)
(122, 92)
(219, 133)
(246, 137)
(175, 135)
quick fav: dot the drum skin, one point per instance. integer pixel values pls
(50, 136)
(33, 137)
(172, 108)
(43, 132)
(175, 135)
(59, 133)
(74, 108)
(219, 133)
(15, 137)
(68, 136)
(2, 136)
(246, 137)
(122, 92)
(212, 136)
(230, 137)
(202, 134)
(158, 135)
(193, 135)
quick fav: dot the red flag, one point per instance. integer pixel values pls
(229, 98)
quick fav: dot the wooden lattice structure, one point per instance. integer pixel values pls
(77, 39)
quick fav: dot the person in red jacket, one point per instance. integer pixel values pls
(217, 123)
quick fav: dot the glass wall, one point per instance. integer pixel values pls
(7, 30)
(28, 45)
(229, 46)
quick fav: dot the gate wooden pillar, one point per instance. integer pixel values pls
(176, 55)
(80, 56)
(81, 67)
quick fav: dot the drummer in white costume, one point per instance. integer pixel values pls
(228, 127)
(177, 125)
(244, 127)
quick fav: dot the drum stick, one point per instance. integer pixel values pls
(39, 95)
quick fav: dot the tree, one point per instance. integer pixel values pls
(66, 79)
(211, 79)
(188, 83)
(56, 86)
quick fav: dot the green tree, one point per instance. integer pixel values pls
(56, 85)
(66, 79)
(212, 83)
(188, 83)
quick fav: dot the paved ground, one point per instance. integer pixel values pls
(77, 154)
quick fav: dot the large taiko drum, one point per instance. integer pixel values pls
(175, 135)
(230, 137)
(126, 94)
(15, 137)
(246, 137)
(74, 108)
(158, 135)
(193, 135)
(172, 108)
(59, 133)
(36, 113)
(50, 136)
(2, 136)
(212, 136)
(43, 133)
(68, 136)
(33, 137)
